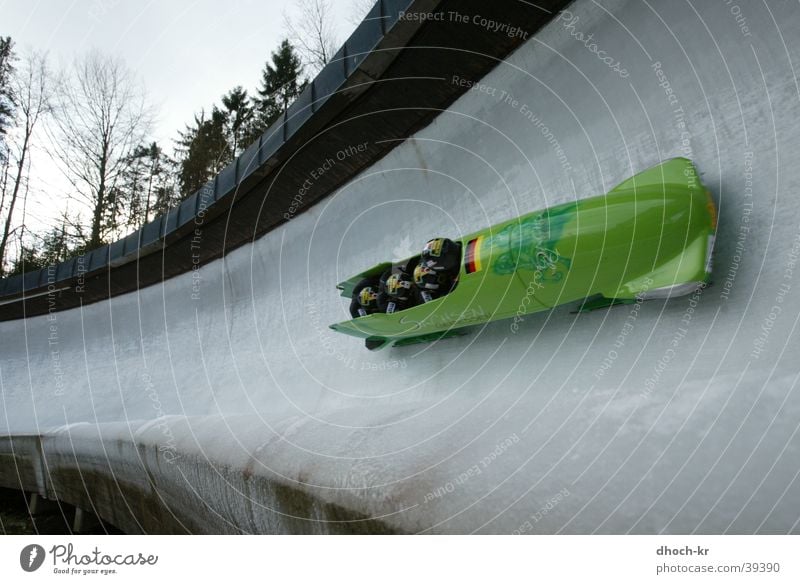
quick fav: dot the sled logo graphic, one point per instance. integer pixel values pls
(31, 557)
(530, 244)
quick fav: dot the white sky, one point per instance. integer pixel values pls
(187, 53)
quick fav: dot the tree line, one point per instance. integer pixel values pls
(94, 123)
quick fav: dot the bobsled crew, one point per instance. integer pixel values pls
(652, 236)
(431, 275)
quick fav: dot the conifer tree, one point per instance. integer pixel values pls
(281, 83)
(7, 58)
(239, 113)
(148, 185)
(203, 149)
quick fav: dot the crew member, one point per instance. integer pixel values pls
(437, 272)
(398, 292)
(365, 298)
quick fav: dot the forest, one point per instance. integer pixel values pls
(94, 122)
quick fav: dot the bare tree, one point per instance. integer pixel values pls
(101, 115)
(31, 96)
(358, 10)
(313, 32)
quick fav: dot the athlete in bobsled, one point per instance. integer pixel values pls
(437, 271)
(393, 291)
(397, 292)
(365, 298)
(560, 249)
(432, 275)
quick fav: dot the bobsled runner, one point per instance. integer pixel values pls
(650, 237)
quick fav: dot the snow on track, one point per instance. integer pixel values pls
(673, 417)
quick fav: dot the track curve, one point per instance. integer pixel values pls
(673, 417)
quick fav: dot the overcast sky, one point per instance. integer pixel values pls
(186, 53)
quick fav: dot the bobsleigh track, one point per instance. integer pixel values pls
(216, 400)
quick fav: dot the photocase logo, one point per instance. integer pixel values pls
(31, 557)
(403, 249)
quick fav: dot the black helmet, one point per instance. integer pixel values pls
(442, 255)
(368, 297)
(426, 278)
(398, 286)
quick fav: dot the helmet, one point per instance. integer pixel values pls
(426, 278)
(398, 285)
(441, 254)
(368, 297)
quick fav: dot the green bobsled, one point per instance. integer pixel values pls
(652, 236)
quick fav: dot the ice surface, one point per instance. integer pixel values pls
(673, 416)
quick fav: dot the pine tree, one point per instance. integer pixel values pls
(29, 259)
(213, 141)
(203, 150)
(161, 195)
(56, 245)
(7, 58)
(239, 113)
(134, 185)
(280, 86)
(147, 185)
(166, 196)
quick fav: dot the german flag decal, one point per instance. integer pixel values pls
(472, 257)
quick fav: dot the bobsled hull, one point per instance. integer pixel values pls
(652, 235)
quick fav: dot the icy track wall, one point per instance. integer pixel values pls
(220, 401)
